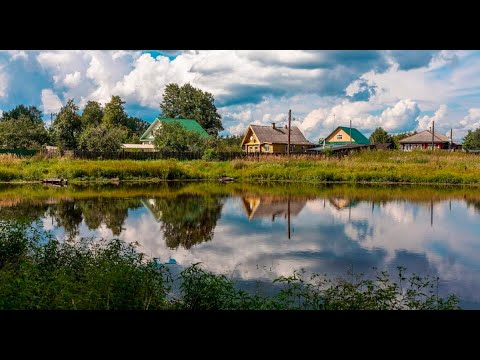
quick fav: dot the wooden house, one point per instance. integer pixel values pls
(274, 140)
(423, 141)
(189, 124)
(343, 135)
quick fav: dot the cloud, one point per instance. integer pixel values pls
(472, 120)
(266, 83)
(425, 122)
(50, 102)
(3, 83)
(17, 54)
(412, 59)
(73, 79)
(400, 117)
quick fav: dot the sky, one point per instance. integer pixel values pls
(399, 90)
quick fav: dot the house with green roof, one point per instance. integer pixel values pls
(189, 124)
(343, 135)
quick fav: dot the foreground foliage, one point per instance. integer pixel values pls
(40, 272)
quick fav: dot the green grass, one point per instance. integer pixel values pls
(39, 272)
(429, 167)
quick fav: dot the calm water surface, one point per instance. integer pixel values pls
(257, 233)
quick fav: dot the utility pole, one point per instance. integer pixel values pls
(289, 126)
(433, 135)
(451, 139)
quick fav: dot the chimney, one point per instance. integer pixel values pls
(273, 125)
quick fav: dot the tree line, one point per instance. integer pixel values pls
(106, 128)
(95, 128)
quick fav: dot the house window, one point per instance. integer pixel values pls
(267, 147)
(256, 148)
(339, 137)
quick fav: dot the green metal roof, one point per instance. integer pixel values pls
(189, 124)
(357, 136)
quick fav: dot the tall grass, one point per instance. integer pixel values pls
(365, 166)
(39, 272)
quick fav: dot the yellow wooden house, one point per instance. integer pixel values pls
(274, 140)
(343, 135)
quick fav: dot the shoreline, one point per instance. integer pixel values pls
(375, 167)
(105, 181)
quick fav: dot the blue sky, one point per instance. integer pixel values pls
(400, 90)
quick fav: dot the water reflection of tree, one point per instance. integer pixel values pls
(186, 219)
(23, 212)
(68, 215)
(111, 212)
(473, 203)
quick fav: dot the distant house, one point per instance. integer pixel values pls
(273, 139)
(423, 141)
(343, 135)
(189, 124)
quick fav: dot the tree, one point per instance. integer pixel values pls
(471, 141)
(380, 136)
(135, 127)
(114, 113)
(22, 133)
(92, 114)
(174, 137)
(30, 112)
(188, 102)
(102, 138)
(67, 126)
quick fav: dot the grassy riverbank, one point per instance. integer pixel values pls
(367, 166)
(39, 272)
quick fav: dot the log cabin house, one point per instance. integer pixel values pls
(274, 140)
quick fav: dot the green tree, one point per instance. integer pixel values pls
(380, 136)
(67, 126)
(397, 137)
(471, 141)
(174, 137)
(188, 102)
(22, 133)
(135, 127)
(31, 112)
(114, 113)
(102, 138)
(92, 114)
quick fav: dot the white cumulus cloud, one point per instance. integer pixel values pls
(50, 102)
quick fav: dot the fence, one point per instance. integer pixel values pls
(156, 155)
(18, 152)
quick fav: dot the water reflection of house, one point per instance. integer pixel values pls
(340, 203)
(271, 207)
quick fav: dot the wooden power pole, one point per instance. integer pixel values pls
(289, 126)
(433, 135)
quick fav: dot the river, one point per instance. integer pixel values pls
(256, 233)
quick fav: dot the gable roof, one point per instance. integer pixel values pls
(188, 124)
(357, 136)
(279, 135)
(425, 137)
